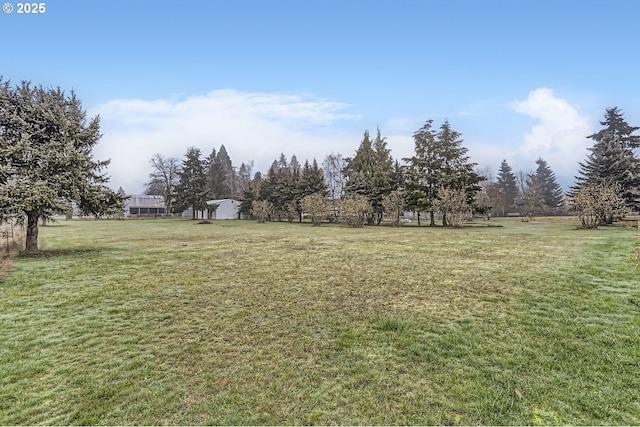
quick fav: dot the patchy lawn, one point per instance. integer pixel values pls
(173, 322)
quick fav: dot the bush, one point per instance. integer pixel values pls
(354, 210)
(393, 204)
(598, 203)
(261, 210)
(317, 206)
(454, 206)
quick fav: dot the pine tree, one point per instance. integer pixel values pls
(371, 173)
(46, 159)
(612, 159)
(243, 177)
(294, 164)
(507, 186)
(440, 161)
(222, 179)
(616, 126)
(282, 162)
(191, 190)
(312, 180)
(544, 180)
(422, 173)
(458, 173)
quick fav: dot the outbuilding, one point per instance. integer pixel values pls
(224, 209)
(144, 206)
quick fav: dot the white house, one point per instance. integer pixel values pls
(226, 209)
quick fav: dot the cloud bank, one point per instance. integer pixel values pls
(259, 126)
(560, 135)
(252, 126)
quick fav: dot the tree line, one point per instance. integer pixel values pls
(46, 163)
(438, 180)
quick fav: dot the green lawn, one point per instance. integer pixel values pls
(171, 322)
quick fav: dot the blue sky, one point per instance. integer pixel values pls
(519, 79)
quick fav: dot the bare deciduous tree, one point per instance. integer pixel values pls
(334, 167)
(394, 205)
(163, 179)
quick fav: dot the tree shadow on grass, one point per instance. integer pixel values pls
(49, 253)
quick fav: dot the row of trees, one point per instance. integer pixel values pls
(46, 163)
(437, 179)
(371, 176)
(523, 193)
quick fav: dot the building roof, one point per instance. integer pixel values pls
(145, 201)
(218, 201)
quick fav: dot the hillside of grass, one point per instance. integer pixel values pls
(173, 322)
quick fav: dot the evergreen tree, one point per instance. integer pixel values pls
(422, 173)
(507, 186)
(248, 197)
(360, 168)
(222, 182)
(616, 126)
(440, 161)
(612, 159)
(282, 162)
(281, 189)
(312, 180)
(192, 190)
(544, 181)
(244, 177)
(458, 173)
(46, 159)
(294, 164)
(371, 173)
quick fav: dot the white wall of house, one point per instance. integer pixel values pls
(227, 208)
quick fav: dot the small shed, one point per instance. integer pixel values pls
(226, 209)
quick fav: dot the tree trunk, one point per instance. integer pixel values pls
(32, 235)
(444, 220)
(432, 218)
(418, 218)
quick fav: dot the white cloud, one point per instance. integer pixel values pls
(560, 135)
(252, 126)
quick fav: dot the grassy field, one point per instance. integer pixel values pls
(172, 322)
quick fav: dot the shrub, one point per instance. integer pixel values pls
(598, 203)
(454, 206)
(261, 210)
(354, 210)
(317, 206)
(393, 204)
